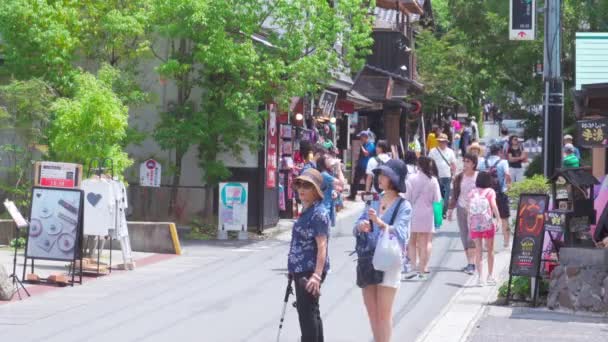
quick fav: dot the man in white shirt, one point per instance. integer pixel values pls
(445, 159)
(475, 129)
(381, 158)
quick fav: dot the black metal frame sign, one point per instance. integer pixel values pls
(55, 229)
(529, 235)
(592, 133)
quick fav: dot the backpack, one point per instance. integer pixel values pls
(380, 163)
(493, 171)
(480, 214)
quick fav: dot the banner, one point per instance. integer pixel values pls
(272, 139)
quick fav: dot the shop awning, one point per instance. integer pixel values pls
(380, 85)
(592, 99)
(405, 6)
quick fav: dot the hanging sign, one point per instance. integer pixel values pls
(59, 175)
(555, 221)
(522, 23)
(327, 103)
(272, 139)
(150, 173)
(233, 199)
(529, 235)
(592, 133)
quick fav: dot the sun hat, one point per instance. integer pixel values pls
(396, 171)
(568, 137)
(313, 177)
(443, 137)
(475, 146)
(569, 148)
(363, 133)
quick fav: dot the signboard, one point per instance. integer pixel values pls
(55, 224)
(591, 66)
(592, 133)
(522, 23)
(233, 200)
(327, 103)
(555, 221)
(529, 235)
(58, 175)
(272, 139)
(150, 173)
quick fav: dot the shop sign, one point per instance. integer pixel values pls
(592, 133)
(555, 221)
(58, 175)
(150, 173)
(272, 137)
(327, 103)
(233, 200)
(522, 19)
(529, 235)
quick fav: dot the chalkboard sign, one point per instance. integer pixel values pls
(555, 221)
(529, 235)
(592, 133)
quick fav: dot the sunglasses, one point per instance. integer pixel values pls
(303, 185)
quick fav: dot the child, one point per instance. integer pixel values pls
(482, 226)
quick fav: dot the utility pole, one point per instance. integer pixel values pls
(554, 89)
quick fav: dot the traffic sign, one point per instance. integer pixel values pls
(522, 23)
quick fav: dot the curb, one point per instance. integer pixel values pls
(443, 326)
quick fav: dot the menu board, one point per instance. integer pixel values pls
(529, 235)
(555, 221)
(592, 133)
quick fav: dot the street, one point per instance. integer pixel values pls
(230, 291)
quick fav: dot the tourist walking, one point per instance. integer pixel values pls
(498, 168)
(516, 157)
(463, 184)
(445, 159)
(482, 226)
(478, 151)
(570, 159)
(390, 214)
(308, 261)
(381, 157)
(368, 150)
(332, 183)
(422, 192)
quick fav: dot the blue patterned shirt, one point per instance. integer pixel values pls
(313, 222)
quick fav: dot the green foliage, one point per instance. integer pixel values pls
(534, 185)
(535, 167)
(20, 243)
(90, 125)
(212, 47)
(520, 287)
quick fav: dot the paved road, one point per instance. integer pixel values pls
(230, 291)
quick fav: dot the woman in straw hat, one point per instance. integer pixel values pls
(308, 261)
(390, 214)
(476, 150)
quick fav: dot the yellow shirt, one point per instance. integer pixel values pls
(431, 142)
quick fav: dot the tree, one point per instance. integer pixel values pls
(92, 124)
(212, 47)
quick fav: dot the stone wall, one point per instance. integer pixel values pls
(580, 282)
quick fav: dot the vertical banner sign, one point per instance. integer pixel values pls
(528, 236)
(233, 199)
(272, 138)
(522, 23)
(150, 173)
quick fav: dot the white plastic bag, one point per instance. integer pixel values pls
(387, 255)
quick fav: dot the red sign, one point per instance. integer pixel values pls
(272, 137)
(59, 175)
(57, 183)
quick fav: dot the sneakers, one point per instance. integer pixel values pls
(421, 277)
(479, 282)
(491, 281)
(469, 269)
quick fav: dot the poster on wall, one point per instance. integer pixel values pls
(233, 198)
(55, 224)
(272, 139)
(529, 235)
(327, 103)
(58, 175)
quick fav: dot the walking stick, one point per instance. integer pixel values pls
(288, 291)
